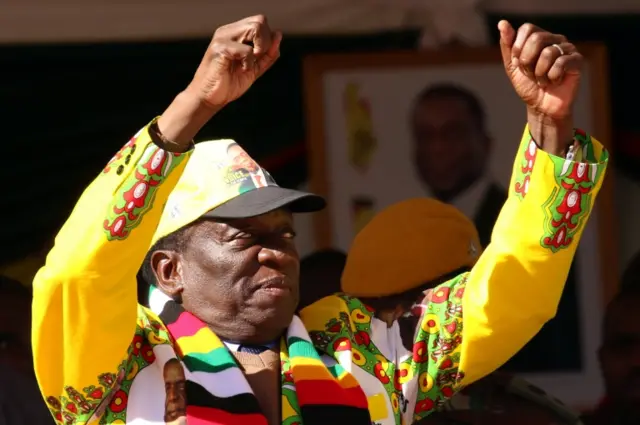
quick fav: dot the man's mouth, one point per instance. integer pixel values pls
(276, 286)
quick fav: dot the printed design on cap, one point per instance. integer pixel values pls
(217, 171)
(242, 172)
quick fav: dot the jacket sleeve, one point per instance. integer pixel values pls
(477, 321)
(85, 297)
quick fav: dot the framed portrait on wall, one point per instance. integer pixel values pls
(384, 127)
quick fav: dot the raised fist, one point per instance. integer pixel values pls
(544, 68)
(239, 53)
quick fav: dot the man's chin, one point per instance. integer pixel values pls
(277, 320)
(175, 415)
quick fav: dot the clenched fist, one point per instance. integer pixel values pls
(544, 68)
(239, 53)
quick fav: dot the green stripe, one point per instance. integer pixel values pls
(212, 362)
(299, 347)
(336, 370)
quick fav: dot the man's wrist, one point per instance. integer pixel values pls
(553, 135)
(183, 119)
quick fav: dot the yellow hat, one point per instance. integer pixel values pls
(407, 245)
(222, 181)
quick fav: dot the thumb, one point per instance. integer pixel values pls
(272, 54)
(507, 38)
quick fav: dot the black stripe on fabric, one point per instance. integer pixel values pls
(319, 414)
(170, 312)
(241, 403)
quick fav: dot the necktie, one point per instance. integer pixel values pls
(252, 349)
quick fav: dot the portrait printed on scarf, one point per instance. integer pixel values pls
(385, 127)
(175, 404)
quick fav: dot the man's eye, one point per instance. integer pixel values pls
(244, 235)
(289, 234)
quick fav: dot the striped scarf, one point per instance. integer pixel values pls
(217, 392)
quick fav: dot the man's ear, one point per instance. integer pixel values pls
(167, 269)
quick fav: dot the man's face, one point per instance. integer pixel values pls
(15, 325)
(450, 149)
(240, 159)
(242, 275)
(620, 353)
(175, 388)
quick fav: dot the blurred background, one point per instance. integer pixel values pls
(80, 77)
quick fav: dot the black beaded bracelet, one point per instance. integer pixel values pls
(162, 142)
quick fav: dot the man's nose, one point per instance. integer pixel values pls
(436, 145)
(172, 395)
(274, 256)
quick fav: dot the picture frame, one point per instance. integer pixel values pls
(355, 189)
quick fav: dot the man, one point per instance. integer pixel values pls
(320, 275)
(220, 305)
(224, 269)
(452, 147)
(619, 356)
(481, 310)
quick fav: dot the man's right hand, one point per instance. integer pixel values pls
(238, 54)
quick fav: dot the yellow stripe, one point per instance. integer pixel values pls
(378, 407)
(202, 342)
(347, 380)
(308, 371)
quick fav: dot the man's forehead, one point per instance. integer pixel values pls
(283, 215)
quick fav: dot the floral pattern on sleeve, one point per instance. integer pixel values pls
(106, 402)
(569, 205)
(135, 196)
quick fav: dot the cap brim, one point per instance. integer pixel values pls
(265, 199)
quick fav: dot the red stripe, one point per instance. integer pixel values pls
(329, 392)
(186, 325)
(197, 415)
